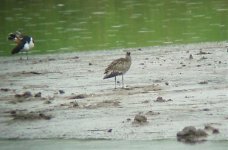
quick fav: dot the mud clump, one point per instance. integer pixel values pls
(190, 56)
(140, 119)
(206, 109)
(210, 128)
(203, 82)
(75, 57)
(160, 99)
(80, 96)
(108, 103)
(202, 58)
(152, 113)
(5, 89)
(47, 102)
(191, 135)
(202, 53)
(26, 94)
(30, 116)
(74, 104)
(37, 94)
(31, 72)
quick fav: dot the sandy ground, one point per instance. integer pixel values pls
(194, 92)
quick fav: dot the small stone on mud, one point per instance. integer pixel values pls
(61, 92)
(37, 94)
(140, 119)
(13, 112)
(191, 135)
(206, 109)
(190, 56)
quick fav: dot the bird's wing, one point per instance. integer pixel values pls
(19, 47)
(112, 67)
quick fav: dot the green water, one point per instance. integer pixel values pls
(108, 145)
(80, 25)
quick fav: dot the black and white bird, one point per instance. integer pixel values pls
(118, 67)
(24, 42)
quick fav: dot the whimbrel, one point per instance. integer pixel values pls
(118, 67)
(24, 42)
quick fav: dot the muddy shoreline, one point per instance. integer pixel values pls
(67, 97)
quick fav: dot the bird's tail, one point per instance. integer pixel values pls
(16, 50)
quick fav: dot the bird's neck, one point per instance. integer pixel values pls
(128, 58)
(17, 40)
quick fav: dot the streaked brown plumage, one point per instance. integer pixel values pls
(118, 67)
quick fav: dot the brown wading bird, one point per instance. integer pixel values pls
(24, 43)
(118, 67)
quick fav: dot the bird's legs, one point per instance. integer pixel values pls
(27, 54)
(115, 82)
(122, 81)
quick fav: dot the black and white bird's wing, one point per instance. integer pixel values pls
(19, 47)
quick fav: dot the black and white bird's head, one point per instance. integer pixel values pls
(12, 37)
(16, 36)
